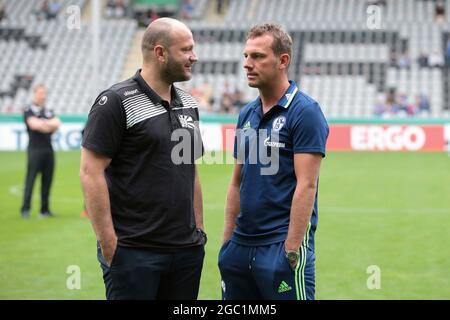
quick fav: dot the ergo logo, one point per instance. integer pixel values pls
(392, 138)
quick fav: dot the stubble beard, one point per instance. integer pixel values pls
(174, 72)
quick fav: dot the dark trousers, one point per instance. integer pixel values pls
(138, 274)
(263, 273)
(39, 161)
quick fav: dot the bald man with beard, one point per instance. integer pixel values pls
(145, 202)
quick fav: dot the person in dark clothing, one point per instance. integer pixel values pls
(144, 204)
(2, 11)
(41, 123)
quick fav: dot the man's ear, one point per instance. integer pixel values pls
(160, 53)
(285, 59)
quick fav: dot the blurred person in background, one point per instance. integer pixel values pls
(404, 61)
(116, 8)
(146, 209)
(379, 107)
(404, 107)
(206, 97)
(439, 12)
(53, 9)
(436, 60)
(447, 54)
(41, 123)
(187, 10)
(423, 104)
(48, 10)
(220, 5)
(391, 107)
(238, 98)
(422, 60)
(227, 99)
(2, 11)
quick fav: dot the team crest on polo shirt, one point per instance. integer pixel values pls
(278, 123)
(186, 121)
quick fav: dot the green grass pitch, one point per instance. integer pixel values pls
(391, 210)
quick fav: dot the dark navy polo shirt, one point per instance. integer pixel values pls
(38, 140)
(295, 125)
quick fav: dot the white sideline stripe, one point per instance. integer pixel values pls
(16, 190)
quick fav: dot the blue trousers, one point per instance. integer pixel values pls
(263, 272)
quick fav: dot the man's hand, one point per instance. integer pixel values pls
(203, 233)
(291, 246)
(43, 125)
(108, 250)
(293, 257)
